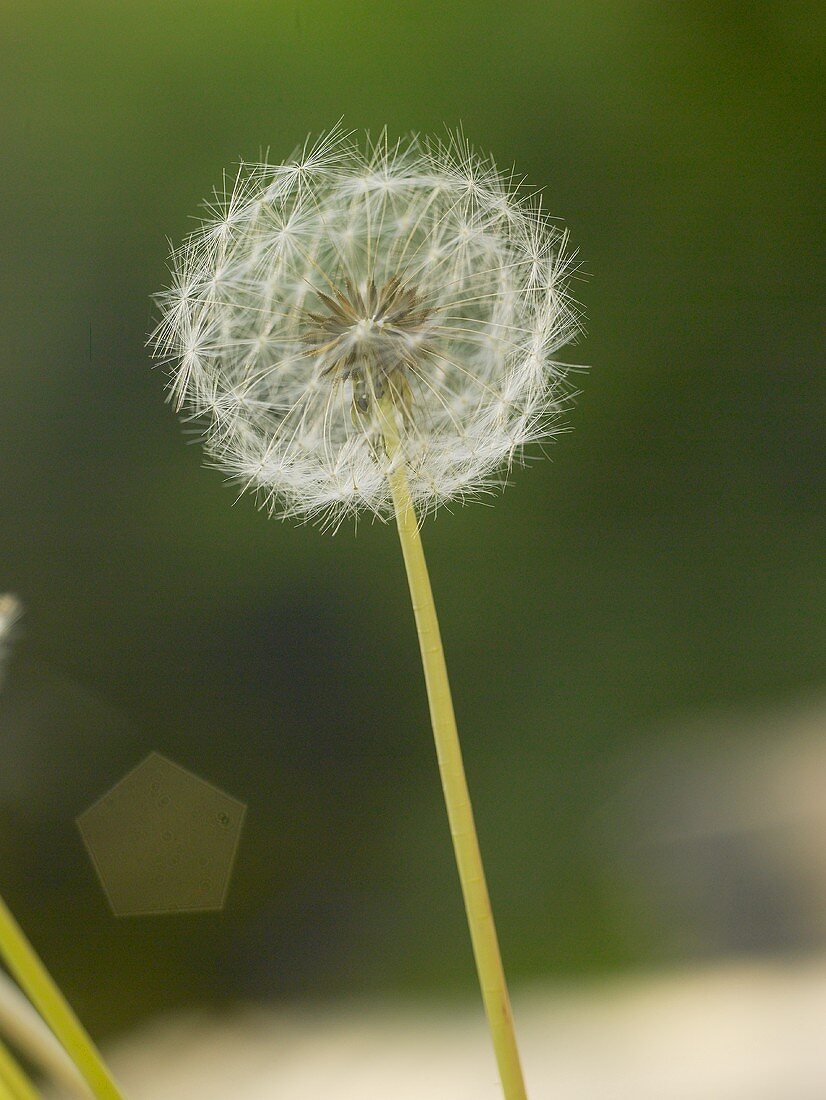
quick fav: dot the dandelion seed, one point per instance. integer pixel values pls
(375, 329)
(316, 286)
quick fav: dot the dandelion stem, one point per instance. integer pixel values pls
(24, 964)
(13, 1076)
(449, 755)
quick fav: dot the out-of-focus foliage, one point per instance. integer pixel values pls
(666, 560)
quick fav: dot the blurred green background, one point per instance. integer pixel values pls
(666, 562)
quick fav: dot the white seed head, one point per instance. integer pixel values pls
(412, 273)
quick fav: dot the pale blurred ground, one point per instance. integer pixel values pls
(730, 1032)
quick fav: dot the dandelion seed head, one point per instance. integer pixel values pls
(356, 273)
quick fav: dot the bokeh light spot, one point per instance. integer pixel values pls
(153, 842)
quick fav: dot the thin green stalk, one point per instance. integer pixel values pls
(35, 980)
(23, 1028)
(449, 754)
(14, 1076)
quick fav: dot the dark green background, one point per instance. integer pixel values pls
(666, 561)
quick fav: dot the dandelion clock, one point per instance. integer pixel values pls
(371, 328)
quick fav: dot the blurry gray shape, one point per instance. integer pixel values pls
(163, 840)
(722, 830)
(10, 611)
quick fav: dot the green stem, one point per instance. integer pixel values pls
(35, 980)
(13, 1076)
(24, 1029)
(449, 754)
